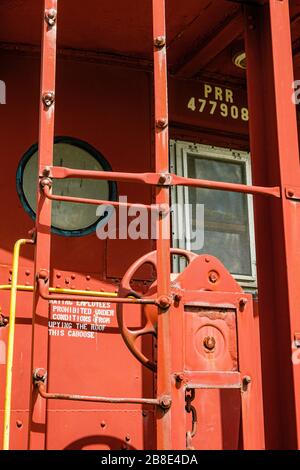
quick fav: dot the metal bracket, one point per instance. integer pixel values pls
(292, 193)
(165, 179)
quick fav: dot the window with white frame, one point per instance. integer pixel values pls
(228, 216)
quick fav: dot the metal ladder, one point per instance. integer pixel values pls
(161, 180)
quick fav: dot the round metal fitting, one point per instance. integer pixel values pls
(51, 17)
(165, 402)
(46, 182)
(40, 374)
(164, 301)
(209, 343)
(213, 277)
(160, 42)
(48, 98)
(161, 123)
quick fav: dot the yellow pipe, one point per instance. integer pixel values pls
(88, 293)
(10, 342)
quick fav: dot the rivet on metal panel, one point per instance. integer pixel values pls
(103, 424)
(127, 438)
(48, 98)
(51, 17)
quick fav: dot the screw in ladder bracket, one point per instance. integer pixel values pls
(50, 17)
(39, 375)
(165, 179)
(43, 274)
(164, 301)
(48, 98)
(46, 182)
(242, 303)
(161, 123)
(209, 343)
(246, 382)
(165, 402)
(160, 42)
(3, 320)
(213, 277)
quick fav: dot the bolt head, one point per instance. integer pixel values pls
(46, 182)
(213, 277)
(164, 301)
(179, 377)
(242, 302)
(48, 99)
(165, 402)
(161, 123)
(209, 343)
(43, 274)
(40, 374)
(160, 42)
(50, 17)
(246, 381)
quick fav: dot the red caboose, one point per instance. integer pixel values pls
(149, 244)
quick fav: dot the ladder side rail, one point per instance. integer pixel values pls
(39, 354)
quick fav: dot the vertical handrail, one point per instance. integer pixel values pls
(39, 353)
(162, 197)
(11, 340)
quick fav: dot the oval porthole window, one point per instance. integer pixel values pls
(69, 219)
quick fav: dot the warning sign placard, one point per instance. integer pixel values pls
(79, 319)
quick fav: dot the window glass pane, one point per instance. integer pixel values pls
(226, 213)
(65, 215)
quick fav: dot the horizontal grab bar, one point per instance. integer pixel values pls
(45, 294)
(159, 179)
(64, 396)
